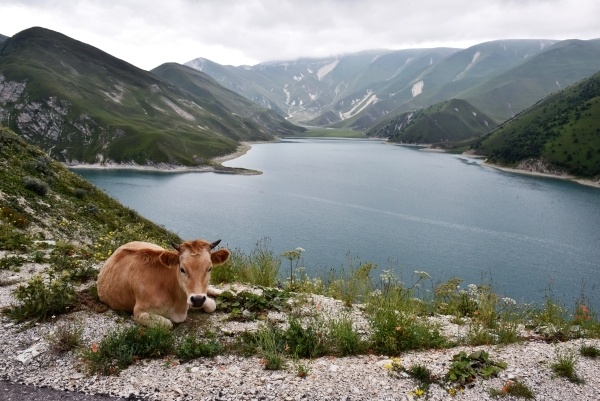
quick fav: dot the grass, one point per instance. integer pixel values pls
(565, 366)
(514, 388)
(590, 351)
(121, 348)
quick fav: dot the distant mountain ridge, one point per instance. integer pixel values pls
(83, 105)
(3, 38)
(501, 78)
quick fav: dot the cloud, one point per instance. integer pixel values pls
(150, 32)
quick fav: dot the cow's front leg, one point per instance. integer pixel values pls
(209, 305)
(150, 319)
(212, 291)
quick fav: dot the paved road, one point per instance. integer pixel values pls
(18, 392)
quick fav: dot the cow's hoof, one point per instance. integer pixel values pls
(152, 320)
(209, 305)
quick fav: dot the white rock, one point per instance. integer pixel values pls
(26, 356)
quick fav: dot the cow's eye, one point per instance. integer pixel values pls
(210, 268)
(182, 270)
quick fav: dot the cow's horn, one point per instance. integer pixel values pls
(175, 246)
(215, 243)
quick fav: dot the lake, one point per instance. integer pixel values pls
(402, 208)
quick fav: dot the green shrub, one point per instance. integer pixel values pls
(246, 305)
(14, 218)
(35, 185)
(343, 340)
(262, 267)
(353, 284)
(121, 348)
(12, 239)
(191, 347)
(393, 332)
(465, 369)
(40, 299)
(270, 344)
(65, 337)
(12, 262)
(306, 342)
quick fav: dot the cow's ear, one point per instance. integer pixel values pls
(175, 246)
(219, 256)
(169, 258)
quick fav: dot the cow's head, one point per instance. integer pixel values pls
(195, 261)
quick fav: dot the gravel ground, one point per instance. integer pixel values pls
(26, 358)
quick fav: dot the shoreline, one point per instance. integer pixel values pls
(567, 177)
(217, 168)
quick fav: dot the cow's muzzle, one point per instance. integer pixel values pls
(197, 300)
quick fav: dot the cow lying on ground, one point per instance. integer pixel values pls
(158, 285)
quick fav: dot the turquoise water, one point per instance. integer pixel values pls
(401, 208)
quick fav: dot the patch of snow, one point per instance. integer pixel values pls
(455, 109)
(375, 58)
(471, 64)
(474, 114)
(287, 95)
(430, 60)
(298, 78)
(417, 88)
(309, 70)
(557, 84)
(326, 69)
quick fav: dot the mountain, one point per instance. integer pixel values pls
(342, 86)
(82, 105)
(500, 78)
(557, 67)
(3, 38)
(561, 133)
(251, 115)
(450, 121)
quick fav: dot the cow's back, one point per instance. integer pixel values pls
(122, 271)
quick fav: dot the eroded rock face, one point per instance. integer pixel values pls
(10, 91)
(48, 123)
(539, 165)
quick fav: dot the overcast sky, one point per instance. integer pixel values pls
(148, 33)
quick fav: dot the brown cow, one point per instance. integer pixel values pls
(158, 285)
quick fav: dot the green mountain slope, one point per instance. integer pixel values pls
(83, 105)
(41, 200)
(560, 133)
(559, 66)
(251, 116)
(450, 121)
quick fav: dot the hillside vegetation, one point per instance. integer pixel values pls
(561, 133)
(451, 121)
(82, 105)
(40, 200)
